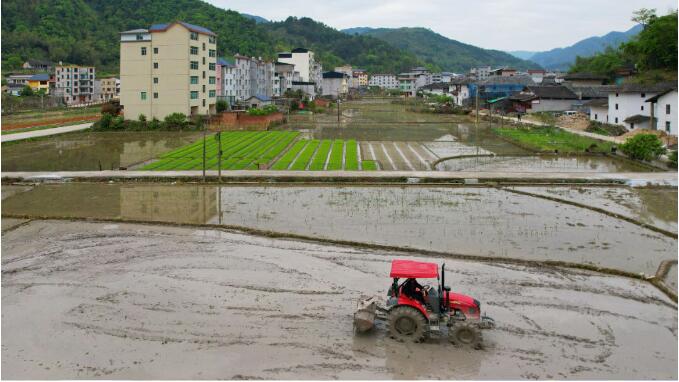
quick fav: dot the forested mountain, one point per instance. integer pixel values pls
(441, 52)
(653, 52)
(563, 58)
(87, 32)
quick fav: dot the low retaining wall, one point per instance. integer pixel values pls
(239, 120)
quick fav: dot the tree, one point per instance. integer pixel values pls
(644, 16)
(175, 121)
(13, 62)
(26, 91)
(643, 147)
(222, 106)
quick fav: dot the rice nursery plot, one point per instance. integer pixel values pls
(280, 150)
(241, 150)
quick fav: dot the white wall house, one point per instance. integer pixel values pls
(383, 81)
(627, 105)
(665, 110)
(335, 84)
(598, 110)
(459, 91)
(305, 63)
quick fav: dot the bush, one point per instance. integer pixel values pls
(117, 123)
(105, 122)
(222, 106)
(643, 147)
(605, 129)
(155, 124)
(266, 110)
(142, 118)
(26, 91)
(175, 121)
(673, 159)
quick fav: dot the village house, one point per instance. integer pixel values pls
(284, 74)
(500, 86)
(480, 73)
(75, 84)
(169, 68)
(384, 81)
(38, 65)
(257, 101)
(305, 63)
(437, 88)
(361, 76)
(335, 84)
(627, 104)
(664, 110)
(534, 99)
(585, 79)
(598, 109)
(106, 89)
(459, 90)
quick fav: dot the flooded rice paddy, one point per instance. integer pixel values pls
(472, 221)
(388, 133)
(91, 150)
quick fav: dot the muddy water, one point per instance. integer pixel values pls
(120, 301)
(91, 151)
(541, 164)
(469, 221)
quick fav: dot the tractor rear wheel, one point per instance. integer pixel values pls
(407, 324)
(465, 334)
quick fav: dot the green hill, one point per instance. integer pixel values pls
(87, 32)
(441, 52)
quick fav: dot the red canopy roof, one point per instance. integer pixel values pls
(414, 269)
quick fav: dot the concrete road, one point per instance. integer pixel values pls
(45, 132)
(120, 301)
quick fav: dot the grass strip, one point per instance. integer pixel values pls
(552, 139)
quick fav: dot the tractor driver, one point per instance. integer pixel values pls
(414, 290)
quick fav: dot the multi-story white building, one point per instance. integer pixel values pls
(75, 84)
(411, 81)
(444, 77)
(335, 84)
(480, 73)
(384, 81)
(305, 63)
(226, 87)
(283, 77)
(627, 104)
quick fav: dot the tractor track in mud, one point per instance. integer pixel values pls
(371, 246)
(210, 303)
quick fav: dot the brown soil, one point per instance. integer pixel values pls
(121, 301)
(577, 121)
(47, 122)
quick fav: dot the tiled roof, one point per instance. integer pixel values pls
(437, 85)
(134, 31)
(300, 50)
(597, 102)
(644, 88)
(512, 80)
(261, 97)
(552, 92)
(40, 77)
(656, 97)
(637, 118)
(333, 74)
(584, 76)
(191, 27)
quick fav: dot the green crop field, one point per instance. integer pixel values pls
(241, 150)
(280, 150)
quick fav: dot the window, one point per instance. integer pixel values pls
(203, 74)
(194, 36)
(143, 51)
(211, 66)
(616, 106)
(631, 125)
(203, 103)
(212, 53)
(213, 93)
(155, 80)
(155, 65)
(203, 47)
(140, 37)
(668, 126)
(212, 39)
(203, 60)
(667, 109)
(194, 64)
(194, 80)
(194, 50)
(155, 95)
(155, 50)
(203, 89)
(194, 94)
(143, 96)
(616, 119)
(616, 94)
(211, 81)
(642, 107)
(596, 117)
(643, 95)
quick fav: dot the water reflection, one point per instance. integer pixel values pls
(473, 221)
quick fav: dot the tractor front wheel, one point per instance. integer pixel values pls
(407, 324)
(465, 334)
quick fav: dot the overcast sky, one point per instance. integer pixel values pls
(498, 24)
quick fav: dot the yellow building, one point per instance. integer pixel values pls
(39, 82)
(169, 68)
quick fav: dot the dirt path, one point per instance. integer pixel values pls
(93, 300)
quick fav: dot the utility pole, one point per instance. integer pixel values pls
(219, 156)
(476, 139)
(203, 154)
(338, 110)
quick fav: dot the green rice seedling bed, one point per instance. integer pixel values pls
(284, 162)
(335, 160)
(369, 165)
(318, 163)
(351, 156)
(305, 156)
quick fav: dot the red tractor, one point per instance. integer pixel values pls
(414, 311)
